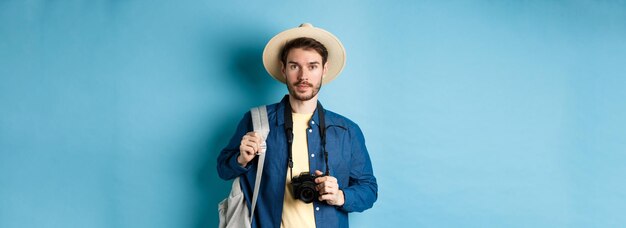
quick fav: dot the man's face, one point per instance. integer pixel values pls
(304, 72)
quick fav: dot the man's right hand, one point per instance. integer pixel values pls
(250, 144)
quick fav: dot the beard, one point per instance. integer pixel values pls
(303, 96)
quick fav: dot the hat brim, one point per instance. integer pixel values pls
(336, 52)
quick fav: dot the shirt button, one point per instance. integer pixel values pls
(317, 208)
(312, 155)
(312, 122)
(310, 130)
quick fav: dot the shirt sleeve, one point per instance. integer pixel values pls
(227, 165)
(362, 190)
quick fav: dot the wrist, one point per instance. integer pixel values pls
(241, 161)
(341, 200)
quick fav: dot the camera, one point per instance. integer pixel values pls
(303, 186)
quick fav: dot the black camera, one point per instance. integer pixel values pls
(303, 187)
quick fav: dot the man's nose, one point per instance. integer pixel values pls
(303, 74)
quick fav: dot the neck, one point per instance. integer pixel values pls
(299, 106)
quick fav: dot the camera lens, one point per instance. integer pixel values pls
(307, 195)
(304, 187)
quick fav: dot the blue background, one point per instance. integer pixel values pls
(476, 114)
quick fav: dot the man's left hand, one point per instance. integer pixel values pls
(328, 189)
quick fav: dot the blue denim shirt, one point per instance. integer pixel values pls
(347, 157)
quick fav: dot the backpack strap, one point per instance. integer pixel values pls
(262, 128)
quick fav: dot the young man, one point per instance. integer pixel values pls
(305, 141)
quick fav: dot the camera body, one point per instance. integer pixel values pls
(303, 187)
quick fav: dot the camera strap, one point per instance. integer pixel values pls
(289, 134)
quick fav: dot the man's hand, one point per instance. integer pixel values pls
(329, 189)
(249, 148)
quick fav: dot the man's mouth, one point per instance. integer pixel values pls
(303, 85)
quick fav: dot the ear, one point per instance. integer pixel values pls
(282, 69)
(325, 70)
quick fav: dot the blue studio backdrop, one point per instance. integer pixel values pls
(475, 113)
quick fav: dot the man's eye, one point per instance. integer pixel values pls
(313, 67)
(293, 67)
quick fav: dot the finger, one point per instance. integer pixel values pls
(327, 197)
(255, 146)
(248, 147)
(258, 136)
(320, 179)
(328, 179)
(243, 148)
(319, 186)
(248, 142)
(328, 190)
(251, 151)
(248, 151)
(326, 183)
(253, 136)
(249, 135)
(323, 178)
(254, 139)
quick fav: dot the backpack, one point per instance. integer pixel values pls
(233, 211)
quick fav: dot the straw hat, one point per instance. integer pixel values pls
(336, 52)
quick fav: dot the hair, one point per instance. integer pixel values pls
(305, 43)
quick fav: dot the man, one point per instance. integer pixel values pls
(303, 58)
